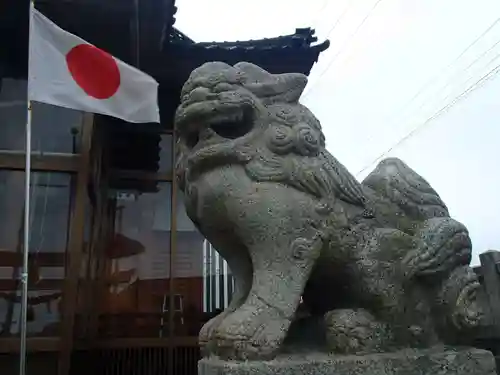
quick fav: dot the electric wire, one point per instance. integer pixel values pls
(447, 68)
(446, 85)
(433, 78)
(317, 18)
(342, 47)
(451, 80)
(429, 82)
(339, 18)
(443, 110)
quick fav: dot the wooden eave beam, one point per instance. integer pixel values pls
(39, 161)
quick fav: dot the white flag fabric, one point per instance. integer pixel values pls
(67, 71)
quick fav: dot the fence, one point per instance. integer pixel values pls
(489, 274)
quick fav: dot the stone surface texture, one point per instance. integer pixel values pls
(424, 362)
(374, 266)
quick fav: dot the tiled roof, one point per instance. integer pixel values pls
(296, 53)
(302, 38)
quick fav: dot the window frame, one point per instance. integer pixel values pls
(77, 165)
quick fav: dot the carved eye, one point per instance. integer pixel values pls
(307, 140)
(281, 139)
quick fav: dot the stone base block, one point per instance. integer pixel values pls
(440, 361)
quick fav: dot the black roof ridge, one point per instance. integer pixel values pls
(302, 38)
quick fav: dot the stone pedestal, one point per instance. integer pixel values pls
(466, 361)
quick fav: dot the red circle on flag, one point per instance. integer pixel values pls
(94, 70)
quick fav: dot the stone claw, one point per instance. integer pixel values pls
(207, 331)
(252, 332)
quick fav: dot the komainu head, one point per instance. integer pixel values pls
(243, 115)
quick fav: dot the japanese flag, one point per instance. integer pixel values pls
(66, 71)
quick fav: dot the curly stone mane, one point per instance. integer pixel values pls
(295, 155)
(286, 144)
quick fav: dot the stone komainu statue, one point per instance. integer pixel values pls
(380, 263)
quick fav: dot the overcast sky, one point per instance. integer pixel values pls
(391, 66)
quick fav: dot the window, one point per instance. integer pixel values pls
(50, 209)
(54, 129)
(138, 266)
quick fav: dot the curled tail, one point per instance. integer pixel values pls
(393, 180)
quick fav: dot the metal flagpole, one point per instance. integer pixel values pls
(24, 274)
(27, 206)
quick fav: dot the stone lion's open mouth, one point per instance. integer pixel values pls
(221, 128)
(213, 133)
(235, 126)
(214, 117)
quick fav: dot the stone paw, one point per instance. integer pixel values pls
(252, 332)
(355, 332)
(207, 331)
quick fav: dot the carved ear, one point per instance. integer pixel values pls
(273, 88)
(254, 73)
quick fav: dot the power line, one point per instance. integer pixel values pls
(454, 75)
(450, 79)
(433, 78)
(339, 18)
(343, 45)
(463, 95)
(320, 11)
